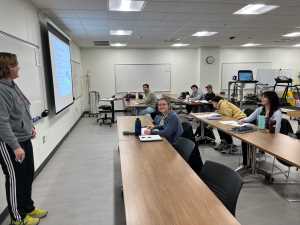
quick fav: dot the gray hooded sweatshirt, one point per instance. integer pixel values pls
(15, 119)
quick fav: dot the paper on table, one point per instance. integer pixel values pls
(234, 123)
(208, 115)
(287, 110)
(203, 101)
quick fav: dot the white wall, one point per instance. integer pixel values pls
(20, 18)
(185, 67)
(209, 73)
(281, 58)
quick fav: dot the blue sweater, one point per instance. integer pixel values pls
(170, 127)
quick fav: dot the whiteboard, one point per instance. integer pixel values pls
(76, 76)
(30, 81)
(230, 69)
(267, 76)
(131, 77)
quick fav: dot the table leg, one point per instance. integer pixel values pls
(113, 111)
(253, 160)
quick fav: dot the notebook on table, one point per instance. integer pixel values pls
(148, 138)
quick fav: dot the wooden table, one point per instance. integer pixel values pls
(278, 145)
(174, 98)
(160, 188)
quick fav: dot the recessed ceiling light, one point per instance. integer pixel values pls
(126, 5)
(250, 45)
(204, 33)
(118, 44)
(121, 32)
(297, 45)
(180, 45)
(293, 34)
(255, 9)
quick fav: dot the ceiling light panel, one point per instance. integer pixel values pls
(126, 5)
(180, 45)
(293, 34)
(251, 45)
(118, 44)
(204, 34)
(255, 9)
(121, 32)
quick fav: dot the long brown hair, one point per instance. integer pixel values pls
(7, 60)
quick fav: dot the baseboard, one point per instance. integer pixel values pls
(5, 212)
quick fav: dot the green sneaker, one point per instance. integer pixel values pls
(28, 220)
(38, 213)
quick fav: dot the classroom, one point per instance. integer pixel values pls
(150, 112)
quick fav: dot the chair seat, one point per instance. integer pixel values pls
(105, 107)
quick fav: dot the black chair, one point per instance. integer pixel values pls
(155, 113)
(184, 147)
(195, 160)
(286, 129)
(248, 111)
(103, 112)
(224, 182)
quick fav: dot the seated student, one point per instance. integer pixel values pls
(167, 124)
(226, 108)
(196, 95)
(270, 109)
(149, 100)
(209, 94)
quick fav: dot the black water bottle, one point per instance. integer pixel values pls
(138, 127)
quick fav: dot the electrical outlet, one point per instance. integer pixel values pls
(44, 139)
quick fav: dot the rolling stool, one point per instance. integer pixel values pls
(104, 110)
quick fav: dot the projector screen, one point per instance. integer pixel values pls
(61, 69)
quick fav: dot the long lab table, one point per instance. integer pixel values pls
(160, 188)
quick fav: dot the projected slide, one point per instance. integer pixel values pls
(61, 72)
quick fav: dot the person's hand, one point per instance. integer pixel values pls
(150, 127)
(20, 154)
(241, 121)
(147, 132)
(33, 133)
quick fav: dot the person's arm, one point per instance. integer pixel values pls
(252, 117)
(6, 133)
(277, 116)
(170, 128)
(197, 97)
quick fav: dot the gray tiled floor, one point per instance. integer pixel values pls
(77, 185)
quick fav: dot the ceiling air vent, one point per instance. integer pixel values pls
(101, 43)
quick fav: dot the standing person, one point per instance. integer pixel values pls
(271, 110)
(226, 108)
(196, 95)
(150, 101)
(16, 153)
(167, 124)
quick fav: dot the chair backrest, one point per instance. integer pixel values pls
(184, 147)
(286, 127)
(224, 182)
(188, 131)
(248, 111)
